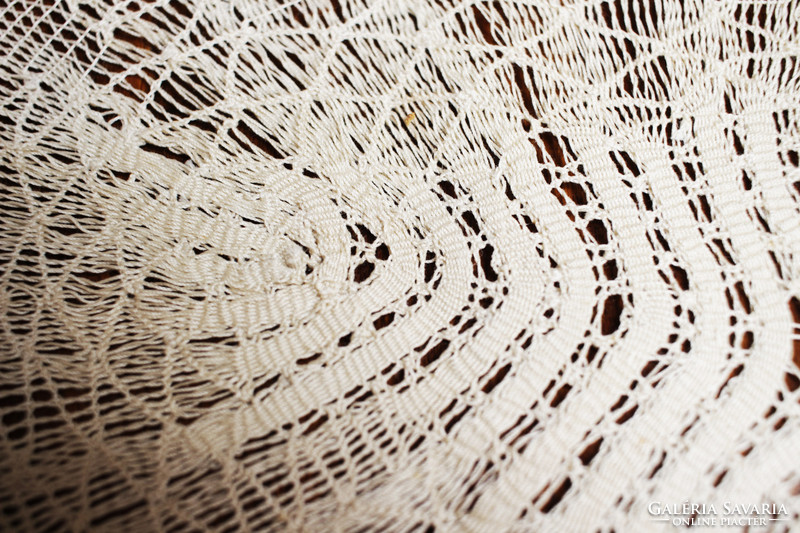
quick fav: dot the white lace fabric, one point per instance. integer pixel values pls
(397, 266)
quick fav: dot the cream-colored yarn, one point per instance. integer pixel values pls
(393, 265)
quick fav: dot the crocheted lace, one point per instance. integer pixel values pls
(398, 266)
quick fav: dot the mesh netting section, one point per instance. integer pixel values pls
(397, 266)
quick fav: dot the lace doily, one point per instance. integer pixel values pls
(397, 266)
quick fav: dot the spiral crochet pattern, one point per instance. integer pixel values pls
(397, 266)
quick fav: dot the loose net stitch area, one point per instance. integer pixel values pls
(397, 266)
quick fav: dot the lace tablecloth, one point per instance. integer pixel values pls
(399, 266)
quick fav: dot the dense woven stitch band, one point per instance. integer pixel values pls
(384, 265)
